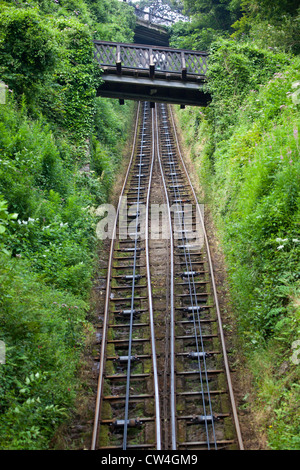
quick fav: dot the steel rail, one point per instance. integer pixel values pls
(192, 287)
(151, 317)
(107, 297)
(193, 297)
(225, 358)
(149, 286)
(127, 395)
(198, 339)
(172, 310)
(96, 426)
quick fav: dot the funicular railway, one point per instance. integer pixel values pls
(181, 398)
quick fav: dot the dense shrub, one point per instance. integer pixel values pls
(275, 25)
(235, 70)
(28, 49)
(43, 330)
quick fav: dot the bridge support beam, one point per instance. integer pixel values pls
(153, 90)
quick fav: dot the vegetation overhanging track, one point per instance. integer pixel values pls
(202, 412)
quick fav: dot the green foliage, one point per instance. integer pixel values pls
(273, 25)
(60, 149)
(113, 21)
(281, 37)
(45, 284)
(271, 10)
(259, 200)
(47, 54)
(210, 20)
(28, 49)
(43, 332)
(193, 36)
(270, 24)
(214, 14)
(55, 229)
(5, 220)
(235, 70)
(284, 434)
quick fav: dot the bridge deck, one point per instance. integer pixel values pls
(150, 73)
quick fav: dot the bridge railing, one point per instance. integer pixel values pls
(133, 56)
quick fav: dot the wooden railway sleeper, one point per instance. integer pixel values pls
(192, 337)
(126, 341)
(130, 249)
(196, 283)
(126, 287)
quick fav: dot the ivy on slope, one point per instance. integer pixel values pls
(60, 149)
(47, 55)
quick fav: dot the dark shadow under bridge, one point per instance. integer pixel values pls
(150, 73)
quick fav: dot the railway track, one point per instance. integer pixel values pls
(164, 379)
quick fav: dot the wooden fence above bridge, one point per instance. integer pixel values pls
(140, 57)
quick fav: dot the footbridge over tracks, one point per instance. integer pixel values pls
(149, 73)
